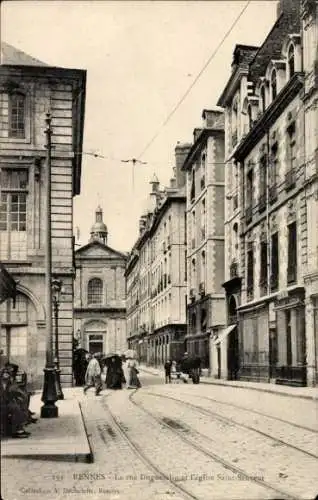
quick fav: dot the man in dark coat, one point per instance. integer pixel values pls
(167, 367)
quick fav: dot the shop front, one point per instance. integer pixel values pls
(291, 338)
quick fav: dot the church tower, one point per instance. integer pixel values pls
(99, 229)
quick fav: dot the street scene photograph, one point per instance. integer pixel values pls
(159, 249)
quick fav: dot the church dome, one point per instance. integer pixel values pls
(99, 229)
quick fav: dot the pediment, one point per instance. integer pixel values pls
(97, 250)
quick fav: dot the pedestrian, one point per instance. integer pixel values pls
(133, 381)
(115, 375)
(185, 368)
(167, 367)
(93, 375)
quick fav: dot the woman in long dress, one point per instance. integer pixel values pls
(134, 382)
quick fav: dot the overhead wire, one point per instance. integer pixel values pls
(180, 101)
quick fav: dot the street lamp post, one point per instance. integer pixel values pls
(49, 396)
(56, 292)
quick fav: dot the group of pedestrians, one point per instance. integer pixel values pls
(187, 368)
(15, 414)
(119, 371)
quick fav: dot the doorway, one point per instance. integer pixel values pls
(233, 355)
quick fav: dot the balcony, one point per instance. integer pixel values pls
(234, 270)
(272, 194)
(262, 202)
(248, 214)
(202, 289)
(290, 179)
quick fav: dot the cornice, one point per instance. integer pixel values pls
(269, 117)
(231, 86)
(198, 146)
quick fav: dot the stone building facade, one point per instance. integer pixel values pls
(268, 224)
(156, 274)
(204, 168)
(28, 90)
(99, 293)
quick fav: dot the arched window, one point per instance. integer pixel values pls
(263, 99)
(274, 84)
(249, 114)
(95, 291)
(235, 235)
(291, 61)
(17, 115)
(203, 266)
(193, 271)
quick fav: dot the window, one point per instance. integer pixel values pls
(95, 291)
(192, 191)
(249, 195)
(272, 174)
(203, 265)
(292, 253)
(234, 123)
(274, 84)
(249, 115)
(263, 269)
(274, 262)
(262, 183)
(203, 217)
(13, 213)
(17, 115)
(288, 338)
(291, 61)
(13, 332)
(250, 274)
(292, 146)
(291, 157)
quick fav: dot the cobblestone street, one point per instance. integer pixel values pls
(179, 442)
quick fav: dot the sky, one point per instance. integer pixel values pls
(140, 57)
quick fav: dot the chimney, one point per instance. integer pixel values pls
(181, 152)
(288, 7)
(213, 118)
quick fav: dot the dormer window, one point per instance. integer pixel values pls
(291, 61)
(263, 99)
(274, 84)
(17, 115)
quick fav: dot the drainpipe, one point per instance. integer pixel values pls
(268, 243)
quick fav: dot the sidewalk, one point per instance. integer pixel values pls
(61, 438)
(282, 390)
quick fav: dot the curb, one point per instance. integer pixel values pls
(239, 386)
(89, 456)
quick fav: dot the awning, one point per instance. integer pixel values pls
(224, 334)
(8, 287)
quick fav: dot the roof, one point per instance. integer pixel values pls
(15, 57)
(106, 248)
